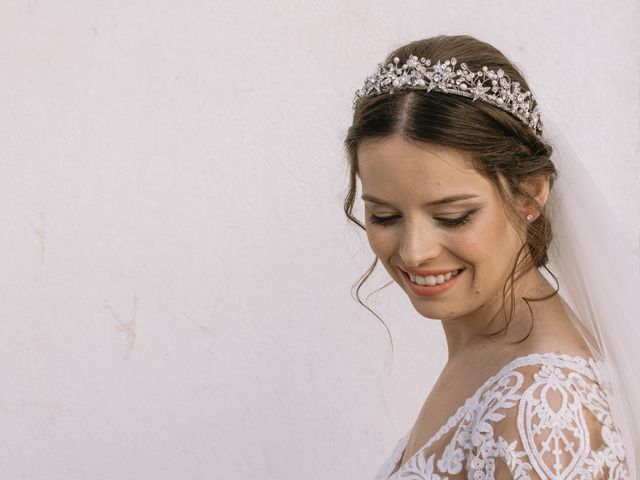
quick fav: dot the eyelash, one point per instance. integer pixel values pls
(447, 222)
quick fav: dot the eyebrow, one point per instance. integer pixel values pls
(440, 201)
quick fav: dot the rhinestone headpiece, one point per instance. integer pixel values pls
(494, 87)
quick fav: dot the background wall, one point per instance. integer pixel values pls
(176, 266)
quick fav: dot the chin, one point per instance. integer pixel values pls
(438, 313)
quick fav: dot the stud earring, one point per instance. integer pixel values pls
(529, 217)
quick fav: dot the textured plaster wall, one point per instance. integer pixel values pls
(176, 268)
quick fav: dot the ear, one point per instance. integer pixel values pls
(538, 187)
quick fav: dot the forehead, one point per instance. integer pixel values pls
(393, 164)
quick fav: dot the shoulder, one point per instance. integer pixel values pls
(546, 416)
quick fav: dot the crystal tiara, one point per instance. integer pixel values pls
(494, 87)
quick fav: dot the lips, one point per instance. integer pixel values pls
(431, 290)
(425, 273)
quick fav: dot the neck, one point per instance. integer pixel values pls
(465, 334)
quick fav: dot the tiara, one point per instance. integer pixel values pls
(494, 87)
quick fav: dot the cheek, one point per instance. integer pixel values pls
(380, 241)
(489, 247)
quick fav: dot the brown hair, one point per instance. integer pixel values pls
(501, 147)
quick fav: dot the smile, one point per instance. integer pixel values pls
(433, 279)
(431, 285)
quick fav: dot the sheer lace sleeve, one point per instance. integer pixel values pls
(542, 417)
(548, 421)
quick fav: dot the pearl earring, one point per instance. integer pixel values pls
(529, 217)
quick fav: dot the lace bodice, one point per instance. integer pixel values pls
(542, 416)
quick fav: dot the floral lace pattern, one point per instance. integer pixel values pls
(542, 416)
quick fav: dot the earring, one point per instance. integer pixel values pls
(529, 217)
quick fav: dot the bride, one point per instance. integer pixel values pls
(466, 210)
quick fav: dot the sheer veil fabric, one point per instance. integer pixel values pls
(598, 269)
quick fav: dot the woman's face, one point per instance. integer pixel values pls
(409, 187)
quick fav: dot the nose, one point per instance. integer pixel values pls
(420, 244)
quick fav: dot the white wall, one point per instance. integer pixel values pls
(176, 267)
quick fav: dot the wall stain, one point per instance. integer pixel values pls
(205, 330)
(237, 89)
(127, 327)
(40, 232)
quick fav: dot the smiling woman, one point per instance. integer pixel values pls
(456, 178)
(440, 213)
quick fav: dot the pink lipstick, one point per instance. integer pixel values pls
(432, 290)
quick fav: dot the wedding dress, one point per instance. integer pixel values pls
(542, 416)
(548, 415)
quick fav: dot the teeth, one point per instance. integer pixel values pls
(432, 279)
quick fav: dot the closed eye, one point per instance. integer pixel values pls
(447, 222)
(382, 220)
(455, 222)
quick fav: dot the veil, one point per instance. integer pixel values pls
(599, 274)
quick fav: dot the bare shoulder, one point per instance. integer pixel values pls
(555, 329)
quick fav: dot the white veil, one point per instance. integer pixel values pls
(597, 266)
